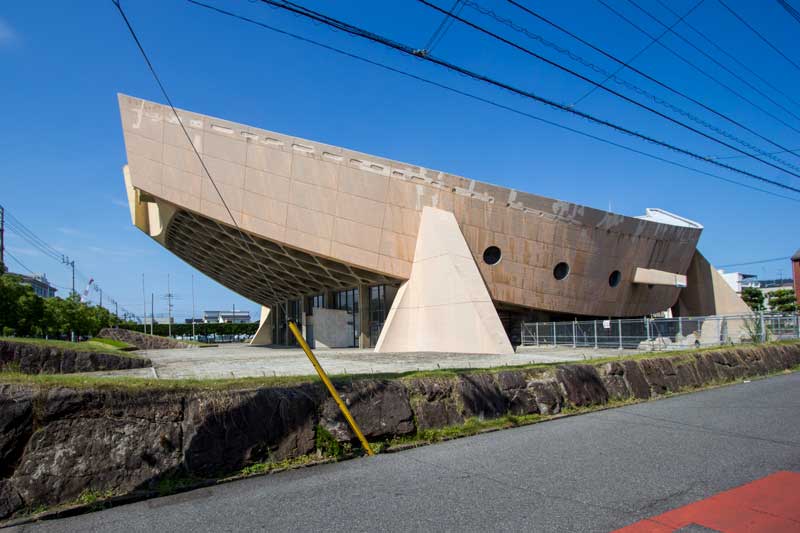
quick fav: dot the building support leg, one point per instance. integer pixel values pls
(445, 305)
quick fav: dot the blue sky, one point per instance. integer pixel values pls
(61, 147)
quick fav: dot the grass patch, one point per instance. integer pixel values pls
(129, 383)
(95, 345)
(112, 343)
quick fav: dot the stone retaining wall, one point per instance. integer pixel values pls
(56, 443)
(32, 358)
(142, 341)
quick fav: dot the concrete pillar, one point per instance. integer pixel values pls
(363, 316)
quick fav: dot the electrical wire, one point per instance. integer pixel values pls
(700, 70)
(712, 59)
(575, 57)
(648, 76)
(774, 259)
(760, 36)
(731, 56)
(640, 52)
(246, 239)
(20, 263)
(610, 91)
(789, 9)
(482, 99)
(443, 28)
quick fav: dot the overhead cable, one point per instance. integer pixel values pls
(649, 77)
(358, 32)
(702, 71)
(482, 99)
(608, 90)
(575, 57)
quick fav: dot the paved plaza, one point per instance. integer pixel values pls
(243, 360)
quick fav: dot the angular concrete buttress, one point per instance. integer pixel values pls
(264, 333)
(707, 292)
(444, 306)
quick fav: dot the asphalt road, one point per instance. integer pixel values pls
(594, 472)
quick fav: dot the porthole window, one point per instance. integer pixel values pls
(561, 271)
(615, 278)
(492, 255)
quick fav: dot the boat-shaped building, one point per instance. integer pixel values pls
(366, 251)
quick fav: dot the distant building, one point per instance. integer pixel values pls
(738, 280)
(226, 317)
(159, 320)
(195, 320)
(39, 284)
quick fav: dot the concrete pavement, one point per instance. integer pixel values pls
(594, 472)
(242, 360)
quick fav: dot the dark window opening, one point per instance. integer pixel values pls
(615, 278)
(492, 255)
(561, 271)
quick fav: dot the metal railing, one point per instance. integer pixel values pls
(662, 333)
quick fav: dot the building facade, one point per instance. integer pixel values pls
(39, 283)
(367, 251)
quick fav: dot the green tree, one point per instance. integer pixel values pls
(753, 298)
(782, 301)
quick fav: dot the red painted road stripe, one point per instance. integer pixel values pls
(770, 504)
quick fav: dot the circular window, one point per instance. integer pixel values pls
(561, 271)
(492, 255)
(615, 278)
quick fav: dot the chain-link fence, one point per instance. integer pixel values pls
(662, 333)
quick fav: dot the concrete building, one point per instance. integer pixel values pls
(366, 251)
(226, 317)
(39, 283)
(739, 280)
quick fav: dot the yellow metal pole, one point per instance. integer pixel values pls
(331, 388)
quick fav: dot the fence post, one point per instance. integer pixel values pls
(537, 334)
(595, 334)
(763, 326)
(719, 330)
(555, 335)
(680, 326)
(647, 327)
(574, 324)
(797, 325)
(619, 330)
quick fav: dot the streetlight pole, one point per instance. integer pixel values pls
(192, 306)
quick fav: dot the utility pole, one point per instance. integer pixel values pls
(65, 260)
(169, 309)
(233, 316)
(2, 239)
(116, 310)
(144, 306)
(192, 306)
(152, 315)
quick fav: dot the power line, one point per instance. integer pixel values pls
(760, 36)
(358, 32)
(731, 56)
(700, 50)
(484, 100)
(789, 9)
(443, 27)
(611, 91)
(640, 52)
(647, 76)
(735, 156)
(773, 260)
(20, 263)
(700, 70)
(575, 57)
(152, 69)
